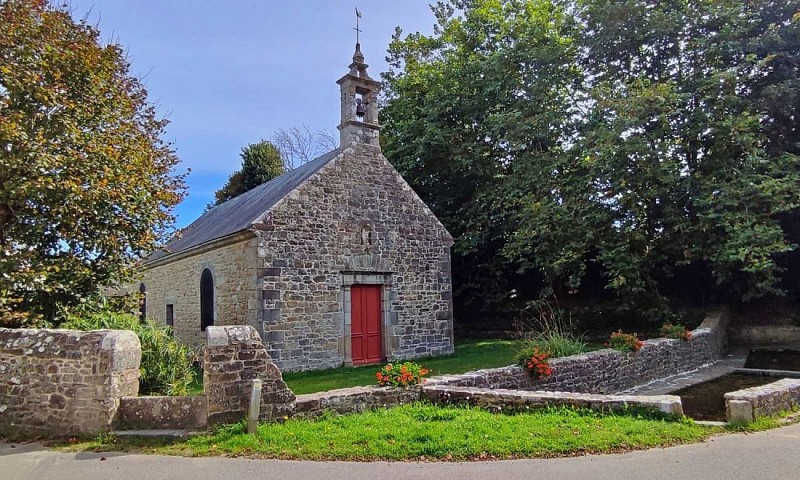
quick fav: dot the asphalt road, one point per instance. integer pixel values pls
(767, 455)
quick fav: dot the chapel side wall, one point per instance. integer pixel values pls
(178, 283)
(311, 240)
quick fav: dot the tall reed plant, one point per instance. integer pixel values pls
(166, 367)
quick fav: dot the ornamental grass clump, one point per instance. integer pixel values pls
(401, 375)
(549, 328)
(677, 331)
(624, 342)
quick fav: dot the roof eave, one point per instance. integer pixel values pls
(235, 237)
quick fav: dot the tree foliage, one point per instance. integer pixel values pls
(261, 162)
(87, 185)
(638, 138)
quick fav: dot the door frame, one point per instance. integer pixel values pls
(365, 278)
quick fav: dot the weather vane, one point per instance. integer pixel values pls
(358, 15)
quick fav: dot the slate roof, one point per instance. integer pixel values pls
(240, 212)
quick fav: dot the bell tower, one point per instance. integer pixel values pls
(359, 104)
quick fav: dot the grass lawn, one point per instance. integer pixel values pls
(469, 355)
(422, 431)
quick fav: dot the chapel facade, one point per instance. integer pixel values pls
(337, 262)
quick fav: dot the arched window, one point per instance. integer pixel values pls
(142, 302)
(206, 299)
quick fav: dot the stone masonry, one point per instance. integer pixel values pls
(751, 403)
(234, 357)
(355, 221)
(63, 382)
(610, 371)
(177, 283)
(285, 255)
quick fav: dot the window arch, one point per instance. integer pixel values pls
(142, 302)
(206, 299)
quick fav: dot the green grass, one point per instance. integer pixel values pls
(423, 431)
(469, 355)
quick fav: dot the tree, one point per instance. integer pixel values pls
(261, 162)
(490, 89)
(652, 142)
(299, 145)
(674, 168)
(87, 185)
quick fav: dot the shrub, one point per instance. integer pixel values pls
(536, 362)
(677, 331)
(402, 375)
(624, 342)
(166, 367)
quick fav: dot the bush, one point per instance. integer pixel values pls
(166, 367)
(403, 375)
(624, 342)
(677, 331)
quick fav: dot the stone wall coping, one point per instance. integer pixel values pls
(123, 346)
(754, 393)
(222, 336)
(515, 399)
(348, 392)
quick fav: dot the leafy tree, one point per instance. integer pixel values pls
(490, 89)
(261, 162)
(654, 142)
(86, 182)
(671, 165)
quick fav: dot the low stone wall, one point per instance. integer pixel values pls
(234, 356)
(765, 335)
(353, 400)
(143, 413)
(748, 404)
(516, 400)
(57, 383)
(609, 371)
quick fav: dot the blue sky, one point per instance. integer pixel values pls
(231, 73)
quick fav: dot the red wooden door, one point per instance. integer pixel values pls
(365, 323)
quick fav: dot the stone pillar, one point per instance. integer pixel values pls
(234, 356)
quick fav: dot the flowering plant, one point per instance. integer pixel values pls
(677, 331)
(402, 375)
(624, 342)
(536, 362)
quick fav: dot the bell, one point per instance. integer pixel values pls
(360, 108)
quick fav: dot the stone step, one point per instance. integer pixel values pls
(164, 433)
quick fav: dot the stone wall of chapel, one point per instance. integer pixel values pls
(355, 215)
(178, 283)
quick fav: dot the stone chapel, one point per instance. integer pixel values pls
(337, 262)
